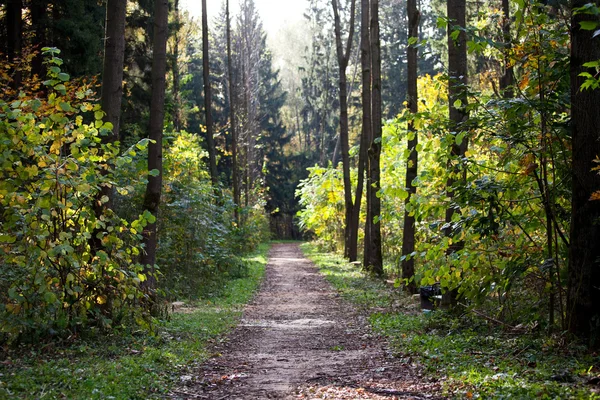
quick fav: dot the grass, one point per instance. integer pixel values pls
(130, 365)
(477, 358)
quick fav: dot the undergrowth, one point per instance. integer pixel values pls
(129, 364)
(475, 357)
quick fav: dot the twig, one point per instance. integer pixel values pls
(488, 317)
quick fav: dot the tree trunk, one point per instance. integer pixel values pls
(232, 120)
(39, 10)
(111, 92)
(14, 32)
(343, 57)
(408, 236)
(175, 67)
(506, 80)
(583, 296)
(210, 142)
(114, 56)
(375, 261)
(157, 114)
(367, 128)
(457, 93)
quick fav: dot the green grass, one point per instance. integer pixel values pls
(130, 365)
(477, 358)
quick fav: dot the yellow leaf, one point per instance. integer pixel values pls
(595, 196)
(101, 299)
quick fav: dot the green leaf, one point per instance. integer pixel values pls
(98, 115)
(154, 172)
(457, 103)
(64, 76)
(588, 25)
(49, 297)
(6, 238)
(65, 106)
(149, 217)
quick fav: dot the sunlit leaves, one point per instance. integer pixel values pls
(52, 166)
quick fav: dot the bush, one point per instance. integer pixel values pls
(52, 167)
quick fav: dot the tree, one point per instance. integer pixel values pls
(583, 296)
(232, 121)
(14, 27)
(457, 98)
(112, 72)
(157, 113)
(212, 160)
(408, 236)
(374, 262)
(343, 57)
(367, 128)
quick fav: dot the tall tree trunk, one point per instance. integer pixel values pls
(457, 93)
(175, 67)
(232, 120)
(583, 296)
(39, 11)
(375, 261)
(367, 127)
(111, 91)
(408, 236)
(112, 72)
(343, 57)
(157, 115)
(212, 159)
(506, 80)
(14, 32)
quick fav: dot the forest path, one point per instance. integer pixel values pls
(298, 339)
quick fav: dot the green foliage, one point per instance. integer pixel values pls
(52, 167)
(199, 243)
(127, 365)
(473, 357)
(322, 198)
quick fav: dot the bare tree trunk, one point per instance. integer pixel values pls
(375, 261)
(210, 142)
(367, 127)
(111, 93)
(232, 120)
(14, 29)
(157, 114)
(506, 80)
(583, 296)
(343, 59)
(408, 237)
(457, 93)
(175, 67)
(39, 10)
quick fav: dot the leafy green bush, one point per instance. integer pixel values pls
(52, 167)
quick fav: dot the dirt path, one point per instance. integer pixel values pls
(299, 340)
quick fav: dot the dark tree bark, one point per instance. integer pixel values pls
(232, 121)
(375, 260)
(212, 159)
(583, 296)
(157, 114)
(408, 237)
(343, 57)
(175, 70)
(457, 90)
(367, 128)
(506, 80)
(14, 32)
(111, 91)
(112, 72)
(39, 18)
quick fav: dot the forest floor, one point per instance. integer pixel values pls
(300, 339)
